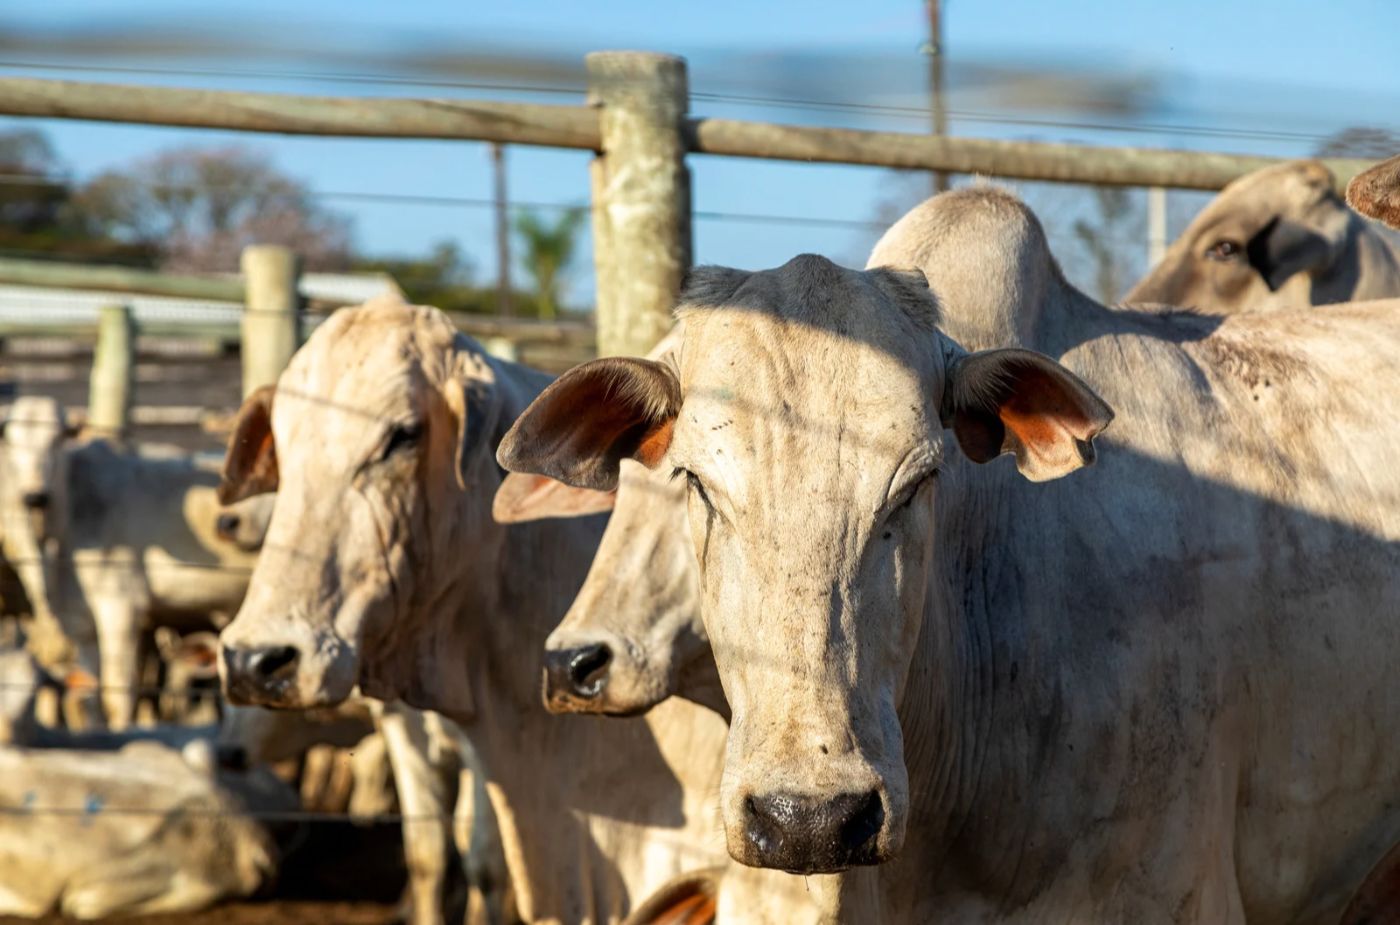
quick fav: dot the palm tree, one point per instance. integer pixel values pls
(548, 250)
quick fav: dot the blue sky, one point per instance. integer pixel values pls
(1274, 76)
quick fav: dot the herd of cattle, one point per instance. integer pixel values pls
(857, 670)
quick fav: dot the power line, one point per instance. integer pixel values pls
(476, 202)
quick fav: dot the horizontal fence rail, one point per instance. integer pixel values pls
(1022, 160)
(285, 114)
(578, 127)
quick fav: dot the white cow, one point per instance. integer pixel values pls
(384, 568)
(141, 830)
(633, 636)
(124, 540)
(1146, 693)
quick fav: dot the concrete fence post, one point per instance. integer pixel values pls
(271, 314)
(109, 390)
(641, 201)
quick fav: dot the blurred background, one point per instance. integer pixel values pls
(1283, 78)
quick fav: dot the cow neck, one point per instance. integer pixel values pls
(962, 676)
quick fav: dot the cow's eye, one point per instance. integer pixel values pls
(693, 481)
(1225, 251)
(402, 437)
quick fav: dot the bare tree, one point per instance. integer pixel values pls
(200, 206)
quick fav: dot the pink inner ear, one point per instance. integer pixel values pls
(536, 497)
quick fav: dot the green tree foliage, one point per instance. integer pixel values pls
(548, 249)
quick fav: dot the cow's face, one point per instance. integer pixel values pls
(1261, 244)
(367, 443)
(807, 422)
(633, 636)
(32, 444)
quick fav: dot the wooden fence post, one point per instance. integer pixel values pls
(271, 314)
(641, 208)
(109, 389)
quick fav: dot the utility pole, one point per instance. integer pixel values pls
(935, 81)
(498, 169)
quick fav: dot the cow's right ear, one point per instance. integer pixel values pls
(1282, 249)
(1375, 193)
(580, 428)
(1021, 402)
(524, 497)
(250, 465)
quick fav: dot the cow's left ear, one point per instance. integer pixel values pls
(250, 465)
(523, 497)
(581, 427)
(1021, 402)
(1283, 249)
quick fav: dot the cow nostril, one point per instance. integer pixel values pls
(863, 824)
(36, 499)
(588, 669)
(273, 662)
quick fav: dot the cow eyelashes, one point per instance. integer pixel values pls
(694, 483)
(402, 437)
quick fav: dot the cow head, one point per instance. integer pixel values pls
(807, 423)
(377, 441)
(31, 439)
(1277, 238)
(1375, 193)
(633, 636)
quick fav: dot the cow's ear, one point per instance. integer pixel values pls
(1375, 193)
(1283, 249)
(524, 497)
(1021, 402)
(580, 428)
(250, 465)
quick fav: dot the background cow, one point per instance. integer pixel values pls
(1278, 238)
